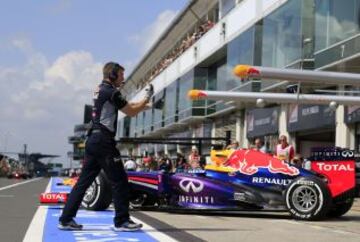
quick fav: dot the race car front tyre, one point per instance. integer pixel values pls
(339, 209)
(139, 199)
(308, 199)
(98, 196)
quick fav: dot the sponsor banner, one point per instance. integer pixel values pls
(262, 121)
(341, 174)
(332, 153)
(195, 192)
(302, 117)
(271, 180)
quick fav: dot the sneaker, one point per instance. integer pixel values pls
(128, 226)
(71, 225)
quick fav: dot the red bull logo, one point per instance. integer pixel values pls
(249, 161)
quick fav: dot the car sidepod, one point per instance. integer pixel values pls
(200, 192)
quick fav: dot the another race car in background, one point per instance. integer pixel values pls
(244, 180)
(19, 175)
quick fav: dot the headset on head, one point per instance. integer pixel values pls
(113, 75)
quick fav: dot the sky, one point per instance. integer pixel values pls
(51, 56)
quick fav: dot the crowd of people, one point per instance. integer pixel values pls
(8, 165)
(283, 151)
(165, 163)
(183, 45)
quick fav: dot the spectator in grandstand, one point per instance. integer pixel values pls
(187, 42)
(130, 165)
(297, 161)
(208, 25)
(165, 164)
(194, 158)
(181, 164)
(284, 151)
(234, 145)
(153, 164)
(259, 145)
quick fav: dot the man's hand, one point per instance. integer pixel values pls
(149, 92)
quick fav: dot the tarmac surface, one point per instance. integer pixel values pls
(22, 219)
(18, 203)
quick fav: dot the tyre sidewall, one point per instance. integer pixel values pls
(323, 199)
(101, 197)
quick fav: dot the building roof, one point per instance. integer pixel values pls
(181, 25)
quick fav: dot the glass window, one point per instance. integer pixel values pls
(140, 124)
(133, 127)
(120, 131)
(239, 51)
(148, 122)
(335, 21)
(159, 100)
(226, 6)
(194, 79)
(186, 83)
(282, 35)
(170, 102)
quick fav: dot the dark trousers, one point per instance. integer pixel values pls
(100, 153)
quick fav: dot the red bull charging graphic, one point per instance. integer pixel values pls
(249, 161)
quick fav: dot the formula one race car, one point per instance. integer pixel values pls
(245, 180)
(19, 175)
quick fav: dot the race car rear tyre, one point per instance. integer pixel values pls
(308, 199)
(98, 196)
(339, 209)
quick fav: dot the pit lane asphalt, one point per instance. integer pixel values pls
(17, 206)
(255, 226)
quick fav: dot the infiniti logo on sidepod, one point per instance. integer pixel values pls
(188, 185)
(347, 153)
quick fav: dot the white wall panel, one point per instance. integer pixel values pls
(172, 72)
(186, 60)
(211, 41)
(240, 18)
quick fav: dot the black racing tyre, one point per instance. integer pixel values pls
(308, 199)
(98, 196)
(140, 199)
(339, 209)
(137, 200)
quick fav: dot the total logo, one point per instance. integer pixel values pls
(53, 197)
(334, 167)
(191, 185)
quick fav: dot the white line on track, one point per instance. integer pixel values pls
(1, 195)
(317, 227)
(20, 183)
(36, 227)
(153, 232)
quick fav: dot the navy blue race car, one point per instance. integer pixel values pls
(245, 180)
